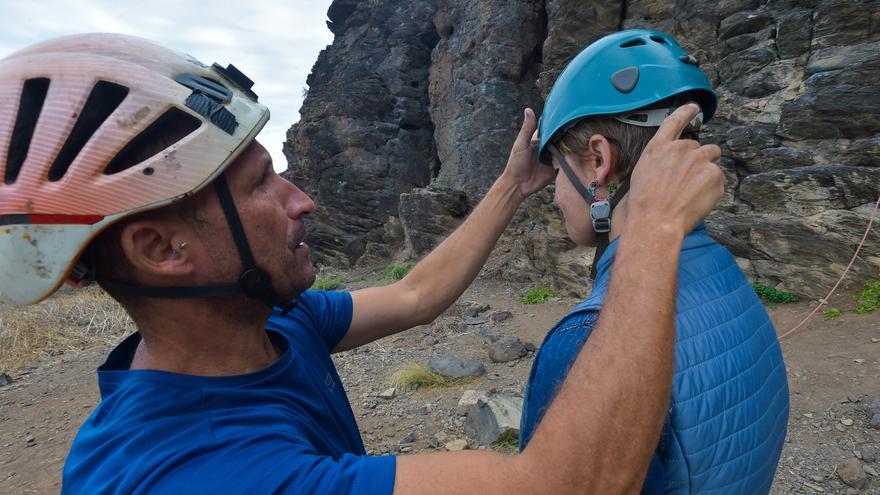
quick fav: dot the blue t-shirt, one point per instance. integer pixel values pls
(288, 428)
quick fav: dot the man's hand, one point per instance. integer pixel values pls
(523, 167)
(676, 182)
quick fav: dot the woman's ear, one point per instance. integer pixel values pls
(604, 163)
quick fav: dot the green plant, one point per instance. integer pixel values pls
(775, 295)
(329, 283)
(869, 298)
(538, 295)
(507, 442)
(831, 314)
(395, 272)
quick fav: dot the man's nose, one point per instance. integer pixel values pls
(299, 203)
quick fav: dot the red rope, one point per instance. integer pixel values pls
(824, 301)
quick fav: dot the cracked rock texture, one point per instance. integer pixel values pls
(432, 91)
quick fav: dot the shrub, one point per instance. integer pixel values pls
(869, 298)
(420, 375)
(774, 295)
(538, 295)
(831, 314)
(329, 283)
(395, 272)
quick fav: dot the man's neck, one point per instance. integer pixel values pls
(204, 339)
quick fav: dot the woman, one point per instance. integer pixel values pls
(729, 405)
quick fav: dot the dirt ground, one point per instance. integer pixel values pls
(833, 367)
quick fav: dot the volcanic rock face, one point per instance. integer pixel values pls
(422, 90)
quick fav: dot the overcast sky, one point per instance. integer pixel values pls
(274, 42)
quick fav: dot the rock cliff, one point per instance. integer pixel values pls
(413, 108)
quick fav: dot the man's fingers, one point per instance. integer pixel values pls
(711, 152)
(528, 128)
(673, 125)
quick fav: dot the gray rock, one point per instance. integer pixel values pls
(388, 393)
(869, 453)
(409, 438)
(743, 22)
(875, 422)
(458, 444)
(793, 33)
(499, 316)
(851, 473)
(468, 400)
(455, 367)
(428, 215)
(489, 419)
(476, 320)
(873, 407)
(506, 348)
(5, 379)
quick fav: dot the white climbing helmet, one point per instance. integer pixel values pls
(76, 115)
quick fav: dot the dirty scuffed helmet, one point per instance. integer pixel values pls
(77, 115)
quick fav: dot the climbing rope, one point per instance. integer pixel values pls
(824, 300)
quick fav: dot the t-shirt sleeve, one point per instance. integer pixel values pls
(264, 469)
(329, 313)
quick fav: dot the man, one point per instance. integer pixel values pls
(202, 242)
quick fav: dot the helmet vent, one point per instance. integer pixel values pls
(632, 43)
(33, 94)
(660, 40)
(168, 129)
(103, 100)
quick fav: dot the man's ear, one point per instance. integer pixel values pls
(605, 161)
(153, 248)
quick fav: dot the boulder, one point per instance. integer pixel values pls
(456, 367)
(491, 418)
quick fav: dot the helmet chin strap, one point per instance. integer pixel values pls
(600, 211)
(253, 282)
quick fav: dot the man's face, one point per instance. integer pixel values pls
(271, 210)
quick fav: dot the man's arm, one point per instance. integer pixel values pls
(601, 430)
(442, 276)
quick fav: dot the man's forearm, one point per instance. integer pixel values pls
(441, 277)
(609, 410)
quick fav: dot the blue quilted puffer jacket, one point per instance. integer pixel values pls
(729, 411)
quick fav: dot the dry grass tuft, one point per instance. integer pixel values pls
(70, 320)
(419, 375)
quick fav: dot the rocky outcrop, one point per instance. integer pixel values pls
(798, 122)
(365, 135)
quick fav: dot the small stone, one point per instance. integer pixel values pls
(441, 437)
(851, 473)
(869, 453)
(839, 427)
(808, 415)
(511, 364)
(875, 340)
(506, 348)
(846, 422)
(817, 477)
(459, 444)
(5, 379)
(476, 320)
(858, 361)
(875, 422)
(455, 367)
(868, 469)
(408, 438)
(500, 316)
(873, 408)
(853, 398)
(406, 449)
(491, 418)
(813, 487)
(388, 393)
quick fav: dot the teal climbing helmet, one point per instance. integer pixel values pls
(619, 73)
